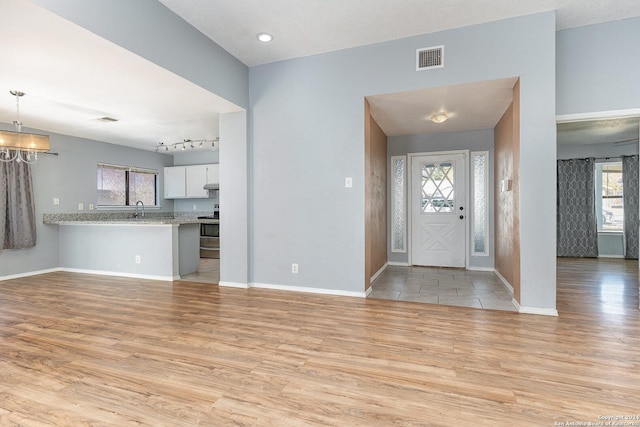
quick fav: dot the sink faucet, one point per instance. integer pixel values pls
(136, 215)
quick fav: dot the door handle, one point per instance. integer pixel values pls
(461, 216)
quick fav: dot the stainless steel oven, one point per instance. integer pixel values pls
(209, 230)
(209, 238)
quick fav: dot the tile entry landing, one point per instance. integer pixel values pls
(445, 286)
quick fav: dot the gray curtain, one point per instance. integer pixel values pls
(630, 194)
(577, 234)
(17, 207)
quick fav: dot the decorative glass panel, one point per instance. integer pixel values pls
(398, 210)
(438, 187)
(480, 222)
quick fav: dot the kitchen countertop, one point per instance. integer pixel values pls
(118, 218)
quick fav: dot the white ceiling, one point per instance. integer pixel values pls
(306, 27)
(469, 106)
(618, 131)
(72, 77)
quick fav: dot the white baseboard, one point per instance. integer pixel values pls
(472, 268)
(378, 273)
(120, 274)
(400, 264)
(505, 282)
(535, 310)
(368, 291)
(29, 273)
(234, 285)
(611, 256)
(309, 290)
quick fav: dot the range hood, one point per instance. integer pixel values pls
(212, 186)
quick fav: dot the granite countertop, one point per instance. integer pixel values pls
(112, 218)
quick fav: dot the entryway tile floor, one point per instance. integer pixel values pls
(208, 272)
(446, 286)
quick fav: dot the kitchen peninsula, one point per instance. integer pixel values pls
(159, 246)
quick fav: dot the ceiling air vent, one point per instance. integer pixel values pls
(107, 119)
(430, 57)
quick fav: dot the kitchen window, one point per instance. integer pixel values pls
(125, 185)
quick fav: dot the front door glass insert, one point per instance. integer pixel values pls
(438, 187)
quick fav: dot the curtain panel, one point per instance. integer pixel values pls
(577, 233)
(630, 197)
(17, 207)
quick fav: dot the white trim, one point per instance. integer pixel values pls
(505, 282)
(393, 204)
(234, 285)
(29, 273)
(611, 256)
(400, 264)
(534, 310)
(308, 290)
(121, 274)
(612, 114)
(368, 291)
(378, 273)
(473, 268)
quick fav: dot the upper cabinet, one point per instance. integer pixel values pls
(187, 182)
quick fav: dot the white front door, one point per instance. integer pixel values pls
(438, 210)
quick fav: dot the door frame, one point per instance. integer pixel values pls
(410, 157)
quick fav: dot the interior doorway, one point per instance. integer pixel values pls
(606, 140)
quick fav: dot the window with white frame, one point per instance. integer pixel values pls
(398, 204)
(609, 196)
(480, 219)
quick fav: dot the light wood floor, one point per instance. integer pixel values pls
(94, 350)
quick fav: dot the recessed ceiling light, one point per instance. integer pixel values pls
(265, 37)
(439, 117)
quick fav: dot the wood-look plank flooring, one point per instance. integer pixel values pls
(94, 350)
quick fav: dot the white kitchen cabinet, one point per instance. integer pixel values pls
(213, 174)
(175, 182)
(187, 182)
(196, 179)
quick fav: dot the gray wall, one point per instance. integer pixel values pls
(598, 67)
(234, 200)
(479, 140)
(71, 177)
(149, 29)
(307, 135)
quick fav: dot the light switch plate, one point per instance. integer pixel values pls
(348, 182)
(56, 201)
(80, 206)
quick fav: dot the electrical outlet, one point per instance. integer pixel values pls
(138, 259)
(294, 268)
(56, 201)
(91, 206)
(80, 206)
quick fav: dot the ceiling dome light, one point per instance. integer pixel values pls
(265, 37)
(439, 117)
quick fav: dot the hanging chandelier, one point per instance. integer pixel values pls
(21, 146)
(188, 143)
